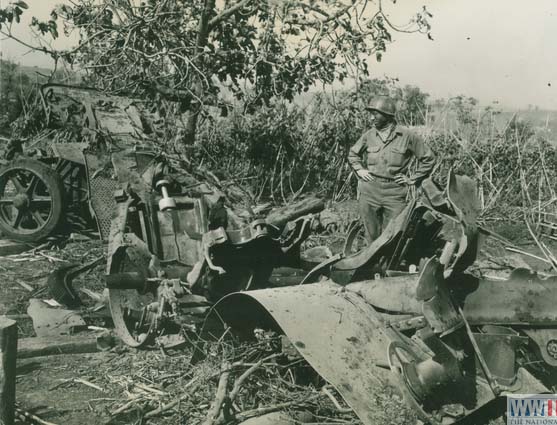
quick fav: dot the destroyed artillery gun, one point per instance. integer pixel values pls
(41, 197)
(448, 341)
(64, 183)
(155, 215)
(165, 255)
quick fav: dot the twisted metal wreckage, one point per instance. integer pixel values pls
(448, 340)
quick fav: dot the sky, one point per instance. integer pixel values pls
(502, 51)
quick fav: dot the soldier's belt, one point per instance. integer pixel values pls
(381, 178)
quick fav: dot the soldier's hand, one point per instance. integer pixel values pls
(365, 175)
(402, 179)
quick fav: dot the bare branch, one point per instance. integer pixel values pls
(228, 12)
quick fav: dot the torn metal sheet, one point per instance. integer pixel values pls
(349, 343)
(524, 298)
(70, 151)
(437, 306)
(463, 198)
(48, 321)
(337, 332)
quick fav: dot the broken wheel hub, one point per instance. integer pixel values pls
(552, 348)
(21, 201)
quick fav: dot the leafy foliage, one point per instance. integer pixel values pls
(21, 109)
(282, 151)
(12, 13)
(14, 87)
(259, 54)
(196, 52)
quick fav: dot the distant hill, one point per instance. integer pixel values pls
(543, 121)
(40, 75)
(33, 72)
(539, 118)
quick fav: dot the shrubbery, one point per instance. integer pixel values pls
(284, 150)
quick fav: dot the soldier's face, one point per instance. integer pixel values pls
(380, 120)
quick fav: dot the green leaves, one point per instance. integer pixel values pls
(195, 51)
(48, 27)
(12, 13)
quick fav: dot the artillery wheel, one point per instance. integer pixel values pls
(31, 200)
(134, 322)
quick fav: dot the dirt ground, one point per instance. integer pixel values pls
(33, 268)
(84, 389)
(47, 387)
(88, 388)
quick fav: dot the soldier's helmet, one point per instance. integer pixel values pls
(384, 105)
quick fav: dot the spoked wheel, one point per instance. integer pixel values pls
(135, 321)
(31, 200)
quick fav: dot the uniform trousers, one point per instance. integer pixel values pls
(380, 201)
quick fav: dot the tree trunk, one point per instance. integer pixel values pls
(191, 126)
(202, 37)
(8, 357)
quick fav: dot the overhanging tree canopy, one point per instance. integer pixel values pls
(189, 50)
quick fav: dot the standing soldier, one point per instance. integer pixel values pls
(380, 159)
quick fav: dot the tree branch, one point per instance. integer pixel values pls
(227, 12)
(238, 384)
(23, 43)
(393, 26)
(327, 16)
(220, 396)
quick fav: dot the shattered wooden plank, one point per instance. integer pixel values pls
(48, 346)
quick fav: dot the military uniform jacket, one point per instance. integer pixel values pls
(388, 158)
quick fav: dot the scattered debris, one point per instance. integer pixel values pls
(26, 417)
(48, 321)
(60, 282)
(251, 322)
(55, 345)
(423, 331)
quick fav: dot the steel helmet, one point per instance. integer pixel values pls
(384, 105)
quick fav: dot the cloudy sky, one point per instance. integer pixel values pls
(494, 50)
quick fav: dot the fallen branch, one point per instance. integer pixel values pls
(24, 285)
(50, 258)
(76, 381)
(549, 253)
(518, 251)
(269, 409)
(28, 417)
(149, 389)
(328, 393)
(238, 384)
(220, 396)
(124, 407)
(173, 403)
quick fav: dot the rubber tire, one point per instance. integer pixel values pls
(56, 189)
